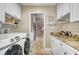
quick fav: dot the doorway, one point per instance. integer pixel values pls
(37, 26)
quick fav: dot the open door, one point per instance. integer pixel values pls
(37, 25)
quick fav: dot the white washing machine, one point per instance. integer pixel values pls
(14, 44)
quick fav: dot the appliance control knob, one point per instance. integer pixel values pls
(12, 40)
(17, 38)
(27, 35)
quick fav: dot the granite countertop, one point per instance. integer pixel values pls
(72, 41)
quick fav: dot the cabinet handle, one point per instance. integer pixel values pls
(75, 54)
(65, 53)
(61, 44)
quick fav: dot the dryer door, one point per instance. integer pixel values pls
(27, 46)
(14, 50)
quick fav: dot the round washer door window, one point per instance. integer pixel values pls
(14, 50)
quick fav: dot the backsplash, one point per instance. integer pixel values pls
(73, 27)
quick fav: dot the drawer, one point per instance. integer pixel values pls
(74, 52)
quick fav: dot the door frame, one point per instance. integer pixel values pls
(30, 25)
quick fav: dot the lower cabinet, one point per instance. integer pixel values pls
(74, 51)
(60, 48)
(66, 49)
(56, 47)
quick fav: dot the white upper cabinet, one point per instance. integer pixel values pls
(14, 10)
(59, 12)
(2, 12)
(18, 11)
(62, 9)
(66, 8)
(74, 12)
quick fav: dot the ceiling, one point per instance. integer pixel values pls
(38, 4)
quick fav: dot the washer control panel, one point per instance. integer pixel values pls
(16, 38)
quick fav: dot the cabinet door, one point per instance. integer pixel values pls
(14, 10)
(62, 9)
(74, 16)
(58, 11)
(60, 48)
(2, 12)
(10, 8)
(66, 49)
(18, 11)
(66, 8)
(73, 51)
(56, 47)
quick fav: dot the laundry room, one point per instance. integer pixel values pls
(39, 29)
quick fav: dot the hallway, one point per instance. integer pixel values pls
(38, 49)
(38, 30)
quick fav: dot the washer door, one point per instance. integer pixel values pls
(27, 46)
(14, 50)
